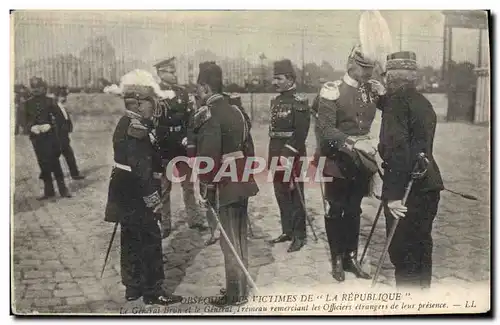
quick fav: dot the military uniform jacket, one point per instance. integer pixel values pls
(174, 122)
(42, 110)
(408, 128)
(344, 110)
(223, 135)
(289, 127)
(135, 179)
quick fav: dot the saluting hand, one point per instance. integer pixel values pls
(397, 209)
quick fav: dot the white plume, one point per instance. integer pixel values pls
(113, 89)
(144, 78)
(375, 36)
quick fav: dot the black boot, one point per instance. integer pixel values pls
(337, 268)
(48, 190)
(132, 293)
(281, 239)
(296, 245)
(63, 190)
(351, 264)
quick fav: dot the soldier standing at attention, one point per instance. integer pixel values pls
(290, 118)
(408, 128)
(172, 133)
(41, 115)
(346, 110)
(222, 133)
(134, 195)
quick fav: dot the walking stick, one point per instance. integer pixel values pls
(396, 222)
(295, 185)
(377, 216)
(323, 198)
(109, 248)
(233, 250)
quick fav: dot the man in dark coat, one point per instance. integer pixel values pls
(65, 127)
(134, 196)
(172, 132)
(222, 135)
(41, 115)
(407, 130)
(346, 110)
(288, 131)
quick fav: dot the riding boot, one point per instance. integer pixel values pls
(351, 264)
(63, 190)
(48, 190)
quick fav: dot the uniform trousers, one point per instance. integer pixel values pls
(141, 253)
(233, 218)
(292, 212)
(410, 250)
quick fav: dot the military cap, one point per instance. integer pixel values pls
(210, 74)
(404, 60)
(357, 56)
(36, 82)
(284, 67)
(165, 63)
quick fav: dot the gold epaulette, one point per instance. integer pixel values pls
(330, 90)
(137, 130)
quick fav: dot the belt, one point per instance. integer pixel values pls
(122, 167)
(175, 128)
(129, 169)
(233, 156)
(280, 134)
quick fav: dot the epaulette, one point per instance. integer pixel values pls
(201, 116)
(137, 130)
(302, 102)
(330, 90)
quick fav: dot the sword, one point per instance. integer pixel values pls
(231, 247)
(302, 202)
(396, 222)
(109, 248)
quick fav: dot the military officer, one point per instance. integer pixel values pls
(346, 109)
(172, 132)
(134, 196)
(222, 134)
(288, 131)
(41, 115)
(407, 129)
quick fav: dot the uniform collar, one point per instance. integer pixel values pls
(350, 81)
(166, 85)
(133, 115)
(214, 98)
(290, 90)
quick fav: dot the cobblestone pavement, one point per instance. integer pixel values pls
(59, 246)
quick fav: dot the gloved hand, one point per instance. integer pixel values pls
(35, 129)
(377, 87)
(45, 128)
(397, 209)
(366, 146)
(184, 141)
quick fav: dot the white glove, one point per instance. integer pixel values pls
(287, 163)
(184, 141)
(44, 128)
(378, 87)
(366, 146)
(397, 209)
(35, 129)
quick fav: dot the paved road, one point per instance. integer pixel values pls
(59, 246)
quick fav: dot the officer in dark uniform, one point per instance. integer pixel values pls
(346, 109)
(65, 126)
(172, 132)
(288, 131)
(134, 197)
(222, 133)
(41, 115)
(408, 128)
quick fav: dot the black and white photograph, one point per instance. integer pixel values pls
(250, 162)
